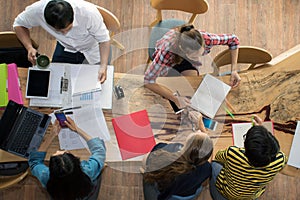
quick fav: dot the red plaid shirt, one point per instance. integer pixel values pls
(163, 58)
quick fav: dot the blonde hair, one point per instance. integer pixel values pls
(163, 166)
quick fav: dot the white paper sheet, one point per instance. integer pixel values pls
(209, 96)
(294, 158)
(85, 79)
(90, 119)
(240, 129)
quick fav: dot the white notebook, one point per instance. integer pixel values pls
(209, 96)
(240, 129)
(294, 158)
(85, 79)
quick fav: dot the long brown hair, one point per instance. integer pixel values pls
(187, 38)
(163, 166)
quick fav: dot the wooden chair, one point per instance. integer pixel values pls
(247, 55)
(112, 23)
(7, 181)
(12, 50)
(160, 26)
(194, 7)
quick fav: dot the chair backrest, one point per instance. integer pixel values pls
(194, 7)
(9, 39)
(12, 50)
(111, 21)
(12, 173)
(247, 55)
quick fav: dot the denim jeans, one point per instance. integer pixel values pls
(216, 168)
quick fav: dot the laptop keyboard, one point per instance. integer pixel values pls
(25, 132)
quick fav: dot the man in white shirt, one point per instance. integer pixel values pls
(76, 24)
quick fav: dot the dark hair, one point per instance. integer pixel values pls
(59, 14)
(261, 147)
(67, 180)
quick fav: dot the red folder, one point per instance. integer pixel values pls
(14, 88)
(134, 134)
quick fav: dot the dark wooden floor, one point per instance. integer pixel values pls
(273, 25)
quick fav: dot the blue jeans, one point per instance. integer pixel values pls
(216, 168)
(62, 56)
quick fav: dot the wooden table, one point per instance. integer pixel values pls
(271, 95)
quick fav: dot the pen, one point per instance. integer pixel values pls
(252, 119)
(72, 108)
(229, 113)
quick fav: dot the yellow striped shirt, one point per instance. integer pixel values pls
(239, 180)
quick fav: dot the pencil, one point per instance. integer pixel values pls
(229, 105)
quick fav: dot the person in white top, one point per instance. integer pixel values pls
(76, 24)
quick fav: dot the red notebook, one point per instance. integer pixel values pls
(14, 88)
(134, 134)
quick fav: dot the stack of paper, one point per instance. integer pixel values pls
(65, 76)
(209, 96)
(90, 119)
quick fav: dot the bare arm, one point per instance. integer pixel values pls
(104, 55)
(49, 137)
(180, 101)
(196, 117)
(235, 78)
(23, 35)
(71, 124)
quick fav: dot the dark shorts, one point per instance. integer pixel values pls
(183, 66)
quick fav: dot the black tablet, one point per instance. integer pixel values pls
(38, 83)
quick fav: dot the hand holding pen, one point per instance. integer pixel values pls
(256, 120)
(182, 101)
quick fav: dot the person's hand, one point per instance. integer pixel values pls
(48, 138)
(102, 73)
(31, 56)
(235, 79)
(71, 124)
(183, 102)
(257, 120)
(56, 128)
(195, 116)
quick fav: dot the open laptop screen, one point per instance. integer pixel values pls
(38, 82)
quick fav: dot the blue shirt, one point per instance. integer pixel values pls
(91, 167)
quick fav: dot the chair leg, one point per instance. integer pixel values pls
(147, 64)
(117, 44)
